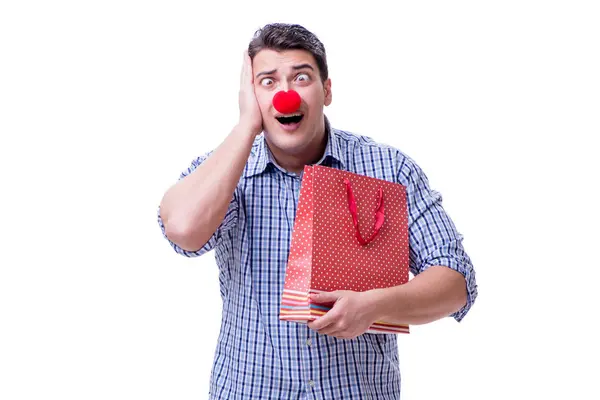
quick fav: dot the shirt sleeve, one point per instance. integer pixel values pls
(433, 237)
(229, 221)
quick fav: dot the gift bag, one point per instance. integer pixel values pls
(350, 233)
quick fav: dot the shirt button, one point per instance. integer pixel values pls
(308, 342)
(311, 383)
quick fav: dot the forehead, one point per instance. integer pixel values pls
(268, 59)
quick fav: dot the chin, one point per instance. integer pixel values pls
(291, 145)
(289, 140)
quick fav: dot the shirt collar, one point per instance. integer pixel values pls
(261, 156)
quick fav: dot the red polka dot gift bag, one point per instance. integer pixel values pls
(350, 233)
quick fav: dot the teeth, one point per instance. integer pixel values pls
(290, 115)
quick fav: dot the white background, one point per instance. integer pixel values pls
(103, 104)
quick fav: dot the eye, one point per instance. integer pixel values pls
(303, 77)
(266, 81)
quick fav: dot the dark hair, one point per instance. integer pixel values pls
(281, 37)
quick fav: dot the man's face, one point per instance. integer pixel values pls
(291, 70)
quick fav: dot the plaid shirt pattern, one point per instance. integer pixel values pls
(260, 357)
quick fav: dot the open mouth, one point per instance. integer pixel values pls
(290, 119)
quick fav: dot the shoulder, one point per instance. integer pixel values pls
(362, 148)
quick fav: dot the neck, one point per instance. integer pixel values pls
(309, 155)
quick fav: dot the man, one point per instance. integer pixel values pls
(240, 200)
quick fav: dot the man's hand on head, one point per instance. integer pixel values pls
(250, 115)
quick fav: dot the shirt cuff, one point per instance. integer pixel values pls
(465, 268)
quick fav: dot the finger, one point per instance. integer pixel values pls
(247, 78)
(244, 73)
(331, 330)
(339, 328)
(326, 297)
(320, 323)
(340, 333)
(331, 317)
(250, 74)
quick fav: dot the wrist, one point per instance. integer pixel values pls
(248, 127)
(378, 304)
(387, 302)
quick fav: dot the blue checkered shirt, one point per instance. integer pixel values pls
(260, 357)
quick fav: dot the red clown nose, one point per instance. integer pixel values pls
(286, 102)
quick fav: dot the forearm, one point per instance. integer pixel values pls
(433, 294)
(193, 208)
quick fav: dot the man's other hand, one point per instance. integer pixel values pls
(351, 315)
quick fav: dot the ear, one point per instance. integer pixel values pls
(327, 89)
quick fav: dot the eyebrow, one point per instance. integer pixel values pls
(266, 72)
(302, 66)
(295, 67)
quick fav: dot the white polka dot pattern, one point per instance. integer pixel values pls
(340, 262)
(325, 254)
(298, 271)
